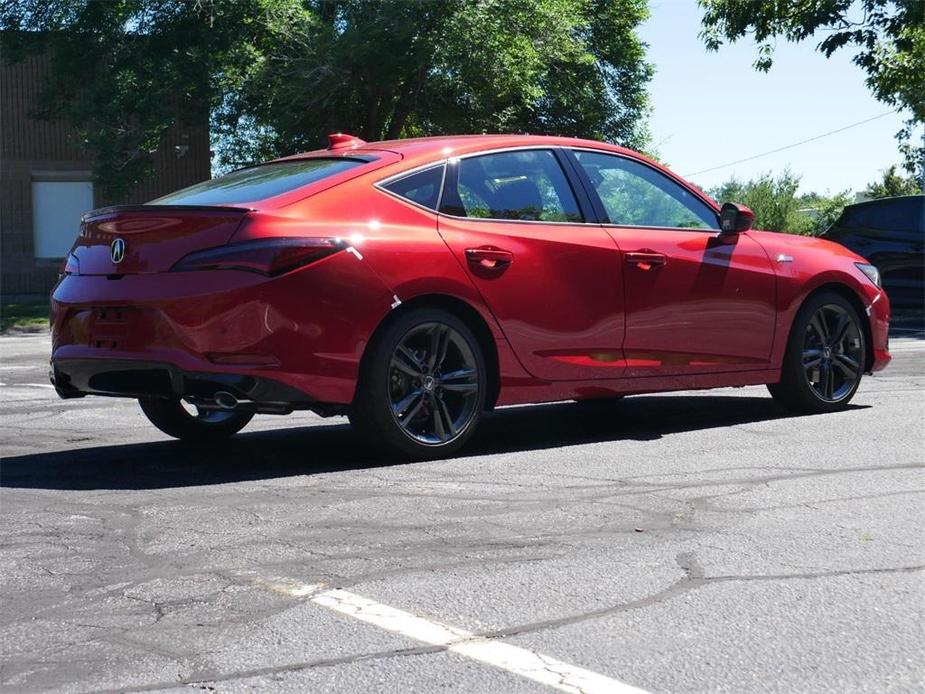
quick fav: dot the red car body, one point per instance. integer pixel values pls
(562, 310)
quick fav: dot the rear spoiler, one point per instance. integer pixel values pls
(116, 209)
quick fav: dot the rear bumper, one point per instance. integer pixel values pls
(304, 331)
(133, 378)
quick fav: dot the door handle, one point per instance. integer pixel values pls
(646, 260)
(489, 258)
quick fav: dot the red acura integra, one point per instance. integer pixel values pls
(415, 284)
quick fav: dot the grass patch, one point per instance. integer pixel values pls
(24, 316)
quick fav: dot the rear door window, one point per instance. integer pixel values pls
(260, 182)
(522, 185)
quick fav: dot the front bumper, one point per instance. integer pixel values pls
(878, 313)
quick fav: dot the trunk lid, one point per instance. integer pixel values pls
(150, 238)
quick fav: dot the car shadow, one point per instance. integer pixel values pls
(331, 447)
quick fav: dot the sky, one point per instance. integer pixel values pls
(715, 108)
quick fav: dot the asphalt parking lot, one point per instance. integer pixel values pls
(694, 542)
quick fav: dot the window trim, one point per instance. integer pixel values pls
(589, 202)
(451, 175)
(382, 183)
(599, 204)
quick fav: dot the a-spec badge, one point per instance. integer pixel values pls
(117, 251)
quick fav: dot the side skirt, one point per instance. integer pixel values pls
(519, 393)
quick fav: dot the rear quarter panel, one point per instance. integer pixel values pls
(397, 240)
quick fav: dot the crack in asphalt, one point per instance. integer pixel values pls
(123, 522)
(693, 578)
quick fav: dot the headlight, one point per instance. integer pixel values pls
(873, 274)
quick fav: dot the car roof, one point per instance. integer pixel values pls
(419, 150)
(880, 201)
(414, 152)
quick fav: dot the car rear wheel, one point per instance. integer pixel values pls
(182, 421)
(422, 386)
(825, 357)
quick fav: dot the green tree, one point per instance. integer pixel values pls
(275, 76)
(887, 36)
(823, 210)
(892, 184)
(778, 207)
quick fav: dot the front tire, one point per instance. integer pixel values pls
(825, 357)
(422, 386)
(170, 416)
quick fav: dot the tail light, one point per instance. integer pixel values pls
(270, 257)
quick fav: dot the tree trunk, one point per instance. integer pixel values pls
(405, 105)
(371, 129)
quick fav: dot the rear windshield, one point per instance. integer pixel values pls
(259, 182)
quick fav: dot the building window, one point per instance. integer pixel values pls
(56, 210)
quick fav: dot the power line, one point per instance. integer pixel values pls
(791, 146)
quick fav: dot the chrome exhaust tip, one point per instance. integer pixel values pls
(226, 400)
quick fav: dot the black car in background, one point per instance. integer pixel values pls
(890, 233)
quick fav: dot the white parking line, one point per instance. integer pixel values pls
(519, 661)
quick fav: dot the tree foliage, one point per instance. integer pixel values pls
(275, 76)
(887, 36)
(893, 183)
(778, 207)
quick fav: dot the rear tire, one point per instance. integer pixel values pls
(170, 416)
(825, 357)
(422, 386)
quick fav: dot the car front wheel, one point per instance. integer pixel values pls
(825, 357)
(422, 386)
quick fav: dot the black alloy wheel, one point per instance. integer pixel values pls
(832, 355)
(825, 357)
(433, 384)
(422, 388)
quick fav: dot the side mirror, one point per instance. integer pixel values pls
(734, 218)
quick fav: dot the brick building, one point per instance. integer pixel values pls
(46, 182)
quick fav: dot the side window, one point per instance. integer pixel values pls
(526, 185)
(422, 187)
(634, 194)
(900, 214)
(849, 218)
(859, 217)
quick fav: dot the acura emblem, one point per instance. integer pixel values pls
(117, 250)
